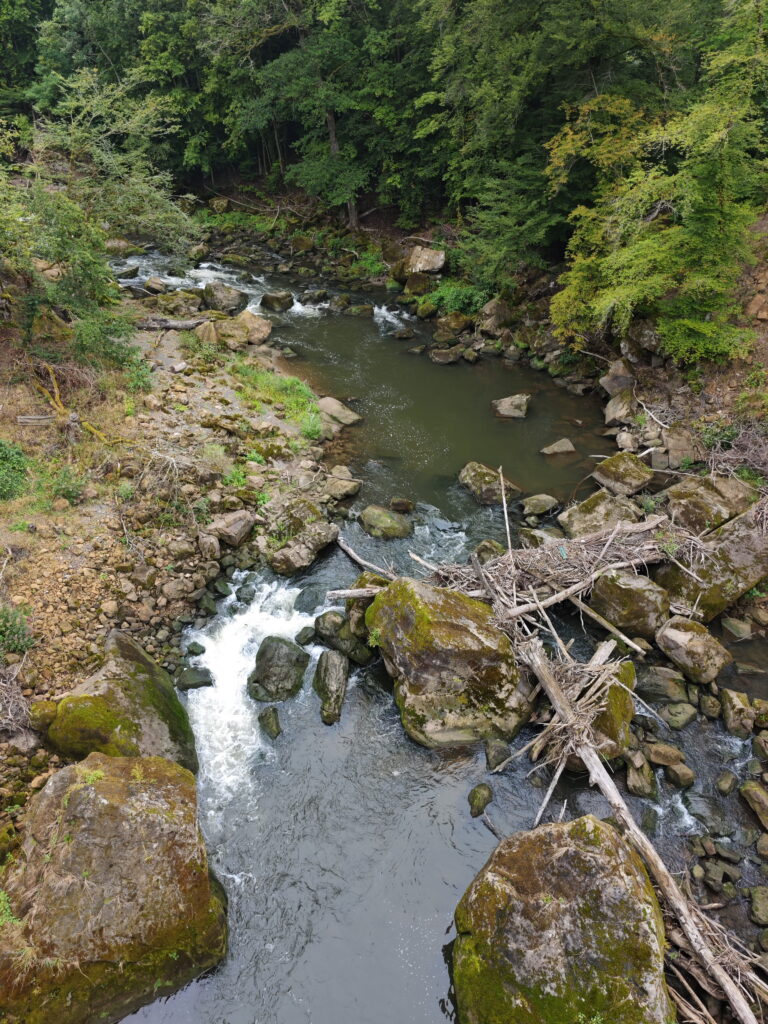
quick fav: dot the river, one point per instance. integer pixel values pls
(345, 849)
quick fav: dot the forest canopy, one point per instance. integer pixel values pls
(624, 140)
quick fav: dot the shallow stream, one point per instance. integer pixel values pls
(344, 850)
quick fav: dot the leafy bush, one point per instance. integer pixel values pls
(138, 375)
(67, 483)
(457, 297)
(15, 636)
(13, 470)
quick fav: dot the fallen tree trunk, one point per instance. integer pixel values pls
(161, 323)
(533, 654)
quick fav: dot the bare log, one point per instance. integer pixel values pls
(608, 626)
(342, 595)
(534, 656)
(362, 562)
(162, 323)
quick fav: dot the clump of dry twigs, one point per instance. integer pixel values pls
(14, 708)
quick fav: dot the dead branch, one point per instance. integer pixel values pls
(161, 323)
(362, 562)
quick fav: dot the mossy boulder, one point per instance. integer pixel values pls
(335, 630)
(704, 503)
(381, 522)
(279, 670)
(601, 511)
(611, 727)
(484, 484)
(632, 602)
(220, 296)
(623, 474)
(561, 925)
(455, 675)
(113, 902)
(129, 708)
(330, 684)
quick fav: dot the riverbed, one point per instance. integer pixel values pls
(345, 849)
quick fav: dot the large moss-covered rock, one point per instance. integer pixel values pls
(704, 503)
(736, 560)
(300, 552)
(632, 602)
(611, 727)
(128, 708)
(485, 484)
(601, 511)
(623, 474)
(380, 522)
(561, 925)
(112, 900)
(455, 675)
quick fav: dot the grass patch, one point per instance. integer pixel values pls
(264, 387)
(15, 635)
(455, 297)
(13, 471)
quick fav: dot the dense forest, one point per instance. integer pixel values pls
(621, 140)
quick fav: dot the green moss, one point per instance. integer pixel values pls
(87, 723)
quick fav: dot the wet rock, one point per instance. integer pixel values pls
(680, 775)
(623, 474)
(335, 630)
(757, 797)
(479, 798)
(513, 407)
(726, 782)
(380, 522)
(611, 727)
(738, 713)
(534, 903)
(539, 537)
(539, 504)
(401, 505)
(485, 485)
(128, 708)
(330, 684)
(338, 412)
(758, 911)
(599, 512)
(455, 675)
(621, 409)
(710, 813)
(640, 778)
(736, 629)
(277, 302)
(279, 670)
(421, 260)
(633, 603)
(710, 706)
(496, 753)
(446, 356)
(245, 329)
(677, 716)
(220, 296)
(122, 912)
(340, 490)
(736, 560)
(562, 447)
(659, 684)
(194, 679)
(301, 552)
(762, 846)
(359, 311)
(487, 550)
(663, 754)
(233, 527)
(305, 636)
(694, 650)
(269, 720)
(698, 504)
(155, 285)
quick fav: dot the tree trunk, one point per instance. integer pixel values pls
(333, 138)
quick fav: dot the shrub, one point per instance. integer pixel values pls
(456, 297)
(15, 636)
(13, 471)
(138, 375)
(67, 483)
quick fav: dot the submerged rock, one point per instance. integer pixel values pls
(269, 720)
(623, 474)
(634, 603)
(114, 903)
(330, 684)
(194, 679)
(380, 522)
(694, 650)
(485, 484)
(479, 798)
(562, 447)
(513, 407)
(128, 708)
(561, 925)
(279, 670)
(455, 675)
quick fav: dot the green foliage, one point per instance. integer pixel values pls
(369, 264)
(13, 471)
(235, 477)
(6, 913)
(254, 456)
(15, 637)
(265, 387)
(67, 483)
(454, 297)
(138, 374)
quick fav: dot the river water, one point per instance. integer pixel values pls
(345, 849)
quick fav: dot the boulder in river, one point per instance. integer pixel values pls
(562, 447)
(380, 522)
(623, 474)
(561, 925)
(479, 798)
(301, 551)
(128, 708)
(279, 670)
(110, 892)
(632, 602)
(736, 559)
(694, 650)
(661, 685)
(704, 503)
(485, 484)
(539, 504)
(246, 328)
(277, 302)
(513, 407)
(455, 675)
(601, 511)
(194, 679)
(757, 798)
(269, 720)
(335, 630)
(330, 684)
(220, 296)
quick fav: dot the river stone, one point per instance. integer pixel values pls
(562, 447)
(269, 720)
(738, 713)
(380, 522)
(180, 304)
(621, 409)
(330, 684)
(539, 537)
(600, 512)
(702, 503)
(113, 893)
(220, 296)
(421, 260)
(487, 550)
(694, 650)
(677, 716)
(479, 798)
(128, 708)
(194, 679)
(446, 356)
(641, 780)
(454, 323)
(335, 630)
(306, 635)
(338, 412)
(757, 798)
(279, 670)
(232, 527)
(680, 775)
(539, 504)
(485, 485)
(736, 560)
(758, 911)
(245, 329)
(455, 675)
(663, 754)
(661, 685)
(300, 552)
(561, 925)
(623, 474)
(277, 302)
(155, 285)
(513, 407)
(340, 489)
(496, 753)
(634, 603)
